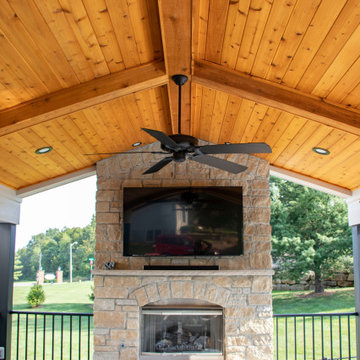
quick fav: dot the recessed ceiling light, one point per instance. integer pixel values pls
(321, 151)
(43, 150)
(136, 144)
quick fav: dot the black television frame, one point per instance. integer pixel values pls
(141, 195)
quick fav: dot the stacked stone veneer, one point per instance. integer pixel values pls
(337, 280)
(242, 286)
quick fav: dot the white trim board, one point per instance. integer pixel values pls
(59, 181)
(310, 182)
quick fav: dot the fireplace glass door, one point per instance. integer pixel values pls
(182, 331)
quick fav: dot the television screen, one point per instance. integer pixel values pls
(206, 221)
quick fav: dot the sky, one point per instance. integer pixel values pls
(70, 205)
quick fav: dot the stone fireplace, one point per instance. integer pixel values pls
(182, 314)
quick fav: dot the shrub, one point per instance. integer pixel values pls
(36, 296)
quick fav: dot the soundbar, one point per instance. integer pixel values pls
(181, 267)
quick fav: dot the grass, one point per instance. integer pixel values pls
(39, 333)
(299, 302)
(326, 337)
(66, 297)
(318, 338)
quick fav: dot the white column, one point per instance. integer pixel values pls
(9, 206)
(9, 218)
(354, 221)
(354, 208)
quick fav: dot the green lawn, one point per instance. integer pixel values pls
(39, 333)
(59, 297)
(299, 302)
(319, 338)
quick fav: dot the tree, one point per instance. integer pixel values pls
(310, 231)
(17, 267)
(30, 256)
(54, 248)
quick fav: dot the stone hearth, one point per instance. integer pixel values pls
(242, 286)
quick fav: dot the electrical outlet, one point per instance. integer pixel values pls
(2, 353)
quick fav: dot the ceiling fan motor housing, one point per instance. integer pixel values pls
(180, 156)
(187, 143)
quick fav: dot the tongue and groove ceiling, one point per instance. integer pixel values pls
(83, 76)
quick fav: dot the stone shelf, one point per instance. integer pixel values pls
(257, 272)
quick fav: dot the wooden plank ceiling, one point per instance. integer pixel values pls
(84, 76)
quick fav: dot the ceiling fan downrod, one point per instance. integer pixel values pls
(179, 80)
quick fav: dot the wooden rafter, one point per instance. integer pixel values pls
(175, 20)
(234, 83)
(82, 96)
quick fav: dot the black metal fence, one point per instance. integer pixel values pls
(315, 336)
(58, 335)
(51, 335)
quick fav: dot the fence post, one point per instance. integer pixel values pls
(356, 254)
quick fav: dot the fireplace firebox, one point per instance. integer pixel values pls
(182, 331)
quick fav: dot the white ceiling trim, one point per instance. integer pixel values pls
(310, 182)
(59, 181)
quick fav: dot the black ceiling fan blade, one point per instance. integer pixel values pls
(129, 152)
(159, 165)
(219, 163)
(163, 138)
(248, 148)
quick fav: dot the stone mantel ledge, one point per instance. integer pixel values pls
(257, 272)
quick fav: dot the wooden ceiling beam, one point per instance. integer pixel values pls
(175, 21)
(82, 96)
(234, 83)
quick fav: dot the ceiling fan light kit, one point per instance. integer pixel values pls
(180, 147)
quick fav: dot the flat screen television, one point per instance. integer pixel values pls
(197, 221)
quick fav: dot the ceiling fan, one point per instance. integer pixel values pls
(180, 147)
